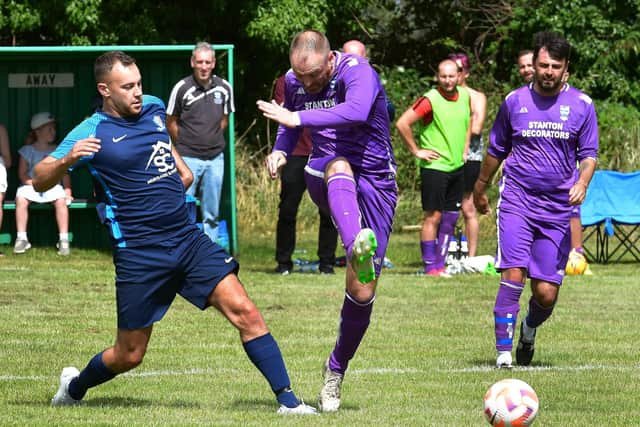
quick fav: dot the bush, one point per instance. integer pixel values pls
(619, 136)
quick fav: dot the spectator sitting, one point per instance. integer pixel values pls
(5, 163)
(38, 145)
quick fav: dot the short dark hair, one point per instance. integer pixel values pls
(557, 46)
(524, 52)
(105, 62)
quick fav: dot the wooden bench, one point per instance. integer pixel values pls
(10, 206)
(85, 230)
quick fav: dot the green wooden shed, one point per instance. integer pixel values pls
(59, 79)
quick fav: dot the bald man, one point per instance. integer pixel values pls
(351, 174)
(356, 47)
(440, 151)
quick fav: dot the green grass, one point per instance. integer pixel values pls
(426, 360)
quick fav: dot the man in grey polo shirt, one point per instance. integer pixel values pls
(197, 116)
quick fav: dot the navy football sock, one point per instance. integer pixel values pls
(266, 356)
(94, 374)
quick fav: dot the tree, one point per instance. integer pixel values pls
(17, 17)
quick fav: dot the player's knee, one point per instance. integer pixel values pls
(128, 359)
(250, 314)
(339, 165)
(132, 359)
(545, 300)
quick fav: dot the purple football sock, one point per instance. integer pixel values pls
(428, 248)
(445, 231)
(537, 314)
(343, 204)
(354, 321)
(505, 313)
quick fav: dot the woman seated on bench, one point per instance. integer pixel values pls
(39, 144)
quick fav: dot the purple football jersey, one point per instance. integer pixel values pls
(347, 118)
(541, 138)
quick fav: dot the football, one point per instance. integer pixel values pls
(576, 264)
(510, 403)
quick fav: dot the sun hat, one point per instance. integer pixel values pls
(41, 119)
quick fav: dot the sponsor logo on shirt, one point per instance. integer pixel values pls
(539, 129)
(162, 160)
(322, 103)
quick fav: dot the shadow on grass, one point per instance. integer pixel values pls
(117, 402)
(272, 405)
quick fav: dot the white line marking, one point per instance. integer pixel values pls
(364, 371)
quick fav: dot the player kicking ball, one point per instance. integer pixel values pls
(350, 173)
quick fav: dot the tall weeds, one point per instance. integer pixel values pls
(258, 196)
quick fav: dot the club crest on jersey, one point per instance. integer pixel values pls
(564, 112)
(158, 121)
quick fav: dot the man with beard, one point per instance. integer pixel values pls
(158, 251)
(540, 131)
(525, 65)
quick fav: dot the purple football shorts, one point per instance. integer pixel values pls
(540, 246)
(377, 197)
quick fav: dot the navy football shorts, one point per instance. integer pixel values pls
(149, 277)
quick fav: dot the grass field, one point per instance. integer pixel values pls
(427, 358)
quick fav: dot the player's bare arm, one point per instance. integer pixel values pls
(50, 170)
(489, 167)
(185, 173)
(578, 191)
(172, 127)
(273, 111)
(403, 124)
(467, 140)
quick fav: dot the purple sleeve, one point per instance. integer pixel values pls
(588, 136)
(287, 138)
(500, 135)
(361, 90)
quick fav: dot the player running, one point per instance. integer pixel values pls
(541, 130)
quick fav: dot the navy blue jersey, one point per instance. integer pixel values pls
(140, 195)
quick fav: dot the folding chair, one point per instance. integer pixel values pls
(610, 214)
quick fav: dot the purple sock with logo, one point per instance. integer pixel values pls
(445, 231)
(428, 248)
(354, 321)
(505, 313)
(343, 204)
